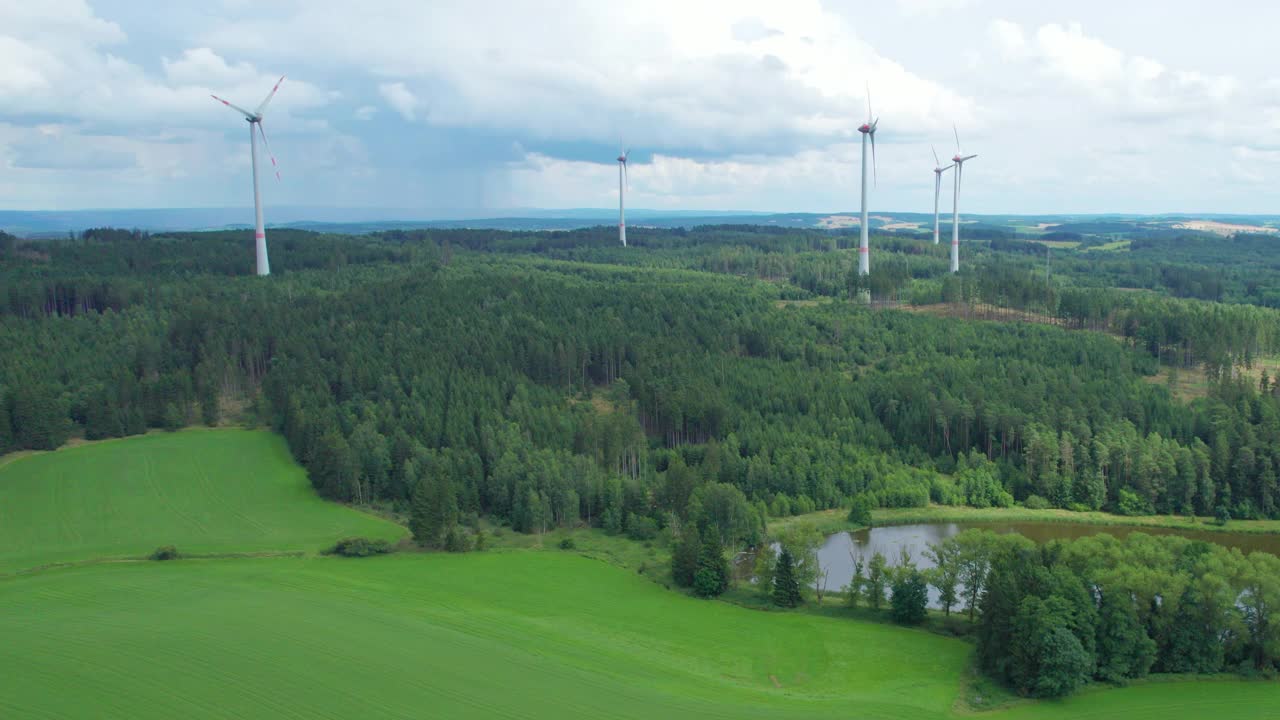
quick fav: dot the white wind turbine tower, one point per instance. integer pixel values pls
(959, 160)
(255, 129)
(868, 130)
(937, 189)
(623, 181)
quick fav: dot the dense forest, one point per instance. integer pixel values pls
(546, 390)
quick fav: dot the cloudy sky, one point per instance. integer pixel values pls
(437, 105)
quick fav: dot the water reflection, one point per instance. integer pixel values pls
(840, 551)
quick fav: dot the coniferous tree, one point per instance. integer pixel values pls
(684, 557)
(712, 576)
(6, 432)
(434, 513)
(786, 589)
(877, 580)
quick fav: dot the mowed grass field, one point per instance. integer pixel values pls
(1177, 700)
(516, 634)
(204, 491)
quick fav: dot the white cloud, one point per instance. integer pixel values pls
(1009, 38)
(723, 78)
(930, 8)
(665, 181)
(57, 59)
(1118, 82)
(400, 99)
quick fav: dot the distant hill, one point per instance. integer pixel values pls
(50, 224)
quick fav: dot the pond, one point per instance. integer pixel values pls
(840, 551)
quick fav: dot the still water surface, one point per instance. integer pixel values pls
(841, 550)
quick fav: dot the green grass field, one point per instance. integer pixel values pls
(1184, 699)
(1111, 246)
(501, 634)
(205, 491)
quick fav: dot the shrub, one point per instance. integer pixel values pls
(359, 547)
(1130, 504)
(904, 497)
(568, 544)
(860, 510)
(640, 527)
(165, 552)
(1221, 515)
(455, 541)
(1035, 502)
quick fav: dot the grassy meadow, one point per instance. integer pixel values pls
(498, 634)
(204, 491)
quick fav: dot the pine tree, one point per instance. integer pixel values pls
(684, 557)
(433, 515)
(876, 581)
(786, 589)
(712, 577)
(6, 432)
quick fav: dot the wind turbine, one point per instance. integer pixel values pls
(937, 189)
(623, 181)
(959, 160)
(255, 129)
(868, 130)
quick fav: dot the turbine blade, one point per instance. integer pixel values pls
(237, 108)
(274, 165)
(875, 180)
(626, 176)
(868, 101)
(267, 101)
(936, 161)
(957, 132)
